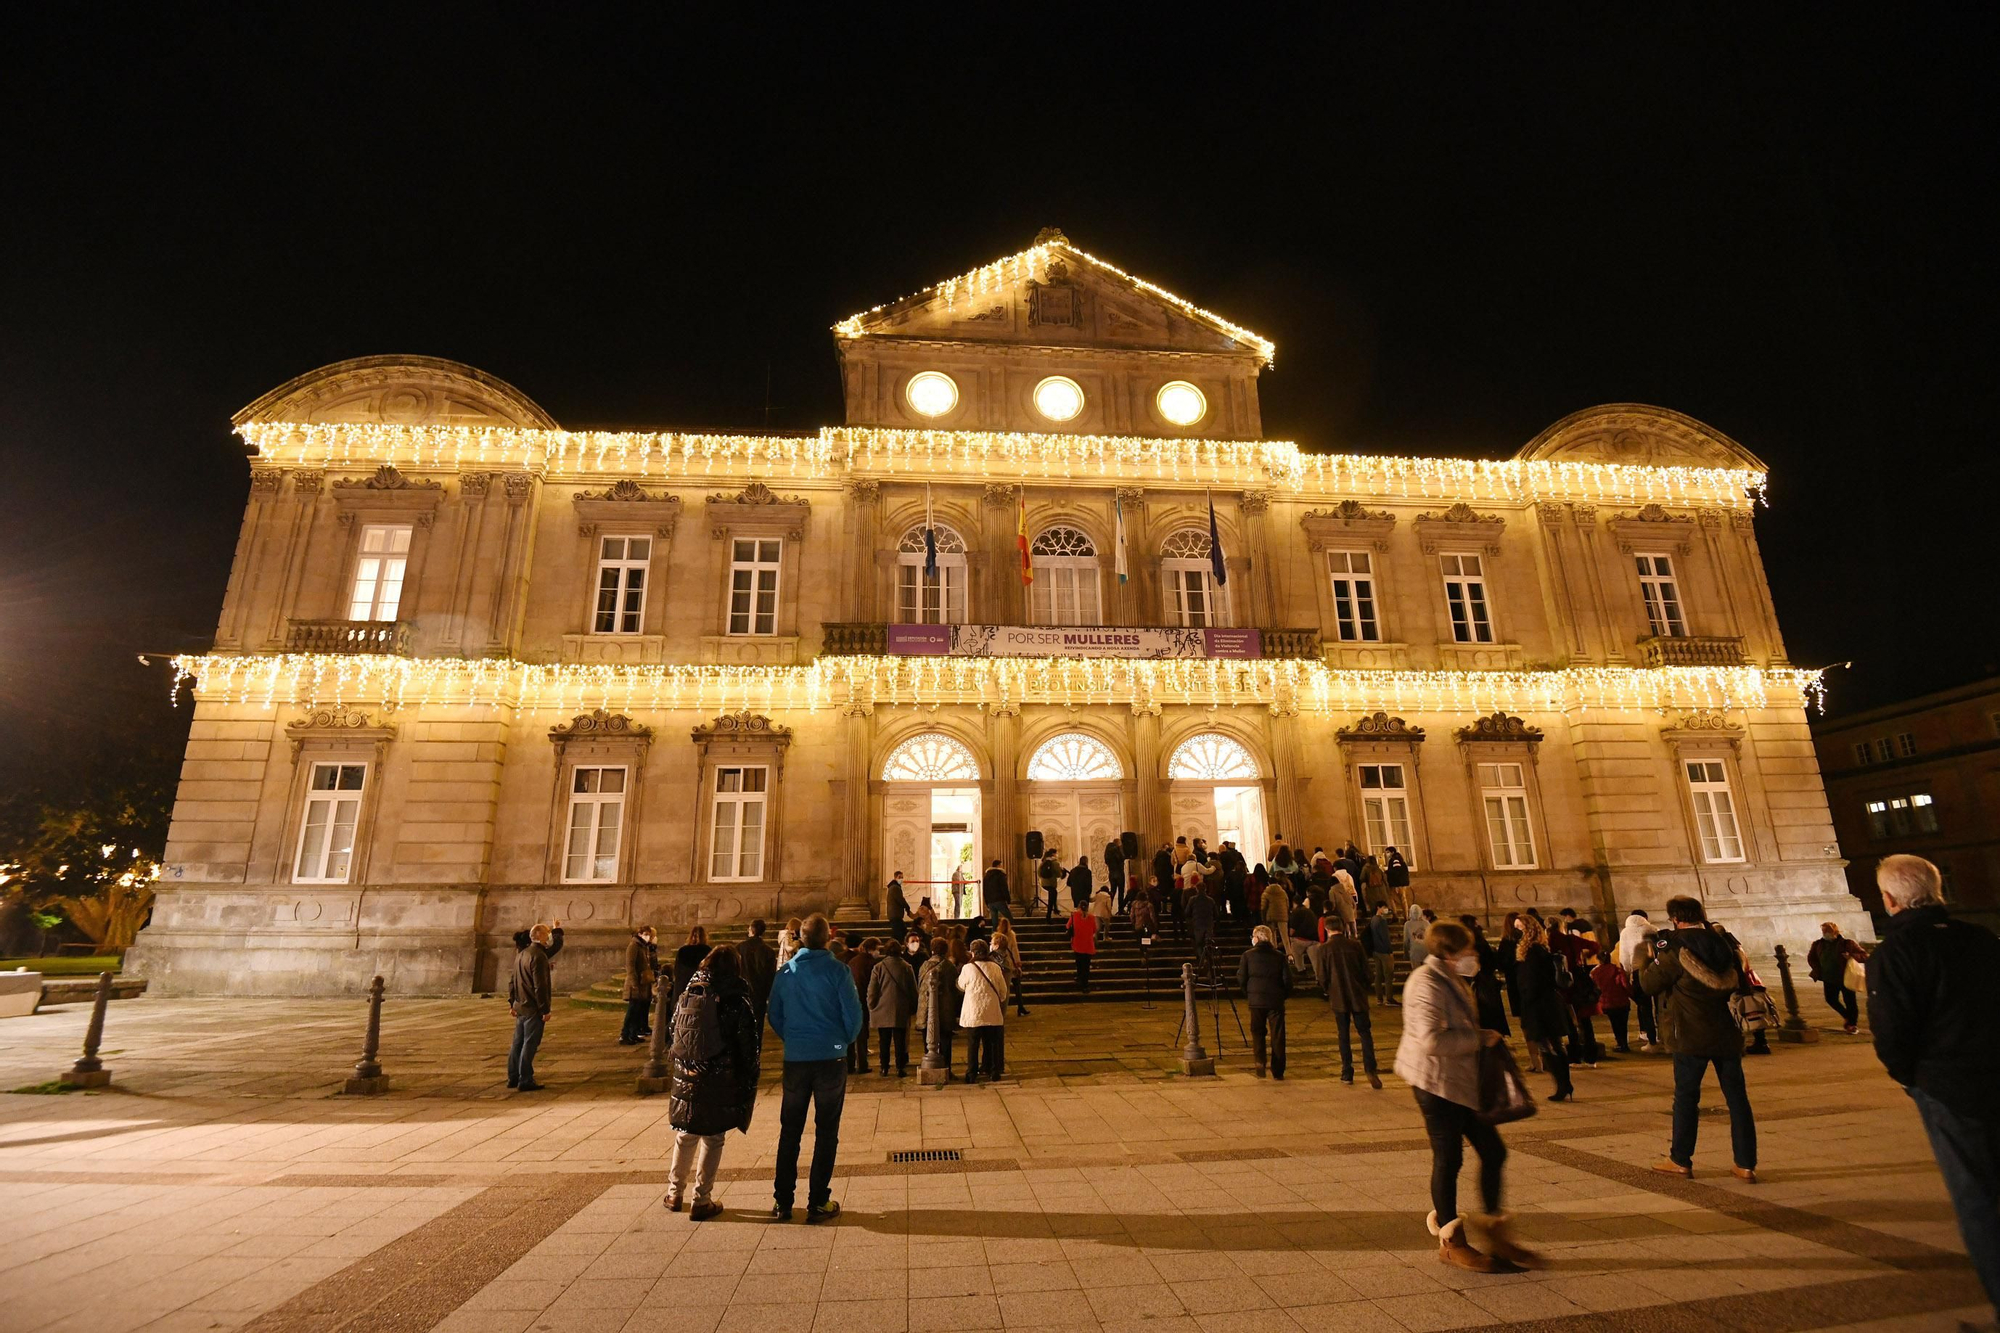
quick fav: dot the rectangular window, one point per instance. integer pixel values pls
(621, 584)
(937, 599)
(378, 572)
(1193, 600)
(753, 585)
(1465, 594)
(1385, 809)
(1899, 816)
(736, 850)
(596, 821)
(1505, 790)
(326, 831)
(1066, 594)
(1861, 755)
(1906, 744)
(1353, 574)
(1923, 812)
(1714, 811)
(1663, 597)
(1878, 820)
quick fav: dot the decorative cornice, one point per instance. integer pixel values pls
(1000, 495)
(758, 507)
(756, 493)
(743, 726)
(1652, 526)
(474, 485)
(308, 482)
(864, 490)
(387, 478)
(1256, 502)
(1349, 520)
(1703, 727)
(520, 485)
(600, 725)
(338, 723)
(266, 480)
(1500, 726)
(1380, 726)
(1131, 495)
(626, 503)
(1460, 526)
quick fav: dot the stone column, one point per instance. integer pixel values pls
(1130, 604)
(1285, 759)
(1003, 806)
(858, 733)
(858, 598)
(1260, 608)
(1149, 819)
(997, 603)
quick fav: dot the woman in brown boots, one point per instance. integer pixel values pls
(1439, 1058)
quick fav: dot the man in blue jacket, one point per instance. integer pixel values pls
(817, 1014)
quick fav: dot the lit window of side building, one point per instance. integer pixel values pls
(473, 671)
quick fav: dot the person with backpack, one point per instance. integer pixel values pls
(1696, 970)
(1543, 1011)
(717, 1040)
(1635, 942)
(982, 1012)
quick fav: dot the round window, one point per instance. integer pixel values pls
(1058, 398)
(932, 393)
(1182, 403)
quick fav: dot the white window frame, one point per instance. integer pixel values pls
(1068, 587)
(1906, 744)
(1385, 809)
(594, 803)
(726, 863)
(1503, 789)
(1356, 607)
(624, 578)
(390, 543)
(754, 584)
(330, 800)
(1862, 754)
(1717, 826)
(1188, 579)
(1878, 820)
(923, 599)
(1660, 588)
(1923, 812)
(1466, 599)
(1885, 749)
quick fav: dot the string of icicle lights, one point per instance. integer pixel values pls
(314, 681)
(840, 451)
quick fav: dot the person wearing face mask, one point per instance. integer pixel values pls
(1439, 1058)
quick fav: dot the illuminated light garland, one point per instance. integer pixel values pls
(838, 451)
(321, 680)
(1034, 260)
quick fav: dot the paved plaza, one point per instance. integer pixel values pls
(222, 1184)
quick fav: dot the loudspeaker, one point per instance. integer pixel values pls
(1034, 841)
(1130, 842)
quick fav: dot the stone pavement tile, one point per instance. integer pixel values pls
(947, 1283)
(1220, 1295)
(1055, 1309)
(1386, 1281)
(1599, 1292)
(1345, 1317)
(865, 1284)
(1521, 1301)
(933, 1315)
(776, 1289)
(675, 1316)
(1194, 1266)
(764, 1318)
(1318, 1287)
(1022, 1249)
(1680, 1285)
(1054, 1275)
(1121, 1269)
(549, 1267)
(1426, 1311)
(708, 1264)
(648, 1264)
(486, 1321)
(1247, 1321)
(1176, 1324)
(1270, 1263)
(508, 1294)
(1113, 1304)
(866, 1316)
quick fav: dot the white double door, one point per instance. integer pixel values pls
(1220, 813)
(1077, 819)
(928, 833)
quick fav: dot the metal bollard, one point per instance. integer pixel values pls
(933, 1070)
(1795, 1027)
(1194, 1060)
(368, 1077)
(89, 1071)
(655, 1076)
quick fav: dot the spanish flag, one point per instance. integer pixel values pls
(1021, 535)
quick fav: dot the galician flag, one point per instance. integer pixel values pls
(1118, 508)
(1215, 564)
(1021, 535)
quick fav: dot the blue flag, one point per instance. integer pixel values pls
(1215, 563)
(930, 537)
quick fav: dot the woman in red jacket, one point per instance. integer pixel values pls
(1082, 929)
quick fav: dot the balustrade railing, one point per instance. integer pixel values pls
(391, 637)
(1663, 650)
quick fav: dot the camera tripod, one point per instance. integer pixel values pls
(1205, 960)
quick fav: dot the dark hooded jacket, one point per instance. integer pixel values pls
(1695, 969)
(716, 1042)
(1930, 1006)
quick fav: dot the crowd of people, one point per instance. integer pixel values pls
(1688, 983)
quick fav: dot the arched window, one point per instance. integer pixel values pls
(1193, 599)
(930, 758)
(1065, 588)
(1211, 758)
(1074, 757)
(930, 599)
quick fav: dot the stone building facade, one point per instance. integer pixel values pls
(473, 670)
(1921, 776)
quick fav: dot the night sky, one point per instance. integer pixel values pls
(1457, 226)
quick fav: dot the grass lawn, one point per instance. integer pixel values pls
(68, 966)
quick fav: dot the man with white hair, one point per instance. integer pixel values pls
(1933, 989)
(1265, 981)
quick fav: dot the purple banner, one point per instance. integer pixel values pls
(1234, 643)
(920, 640)
(1073, 641)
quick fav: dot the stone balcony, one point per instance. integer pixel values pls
(871, 638)
(1661, 650)
(389, 637)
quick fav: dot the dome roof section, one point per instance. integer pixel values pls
(1639, 435)
(398, 391)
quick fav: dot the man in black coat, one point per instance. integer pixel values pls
(1265, 981)
(1201, 929)
(898, 905)
(1080, 884)
(759, 965)
(531, 998)
(1933, 983)
(1114, 871)
(993, 891)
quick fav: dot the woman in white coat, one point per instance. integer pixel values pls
(1439, 1059)
(983, 1013)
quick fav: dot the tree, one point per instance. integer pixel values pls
(93, 853)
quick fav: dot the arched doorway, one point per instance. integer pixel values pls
(1075, 796)
(930, 821)
(1214, 792)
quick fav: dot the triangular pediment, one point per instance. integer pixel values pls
(1055, 295)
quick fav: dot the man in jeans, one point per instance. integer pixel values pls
(531, 998)
(1696, 968)
(1930, 1007)
(817, 1014)
(1265, 980)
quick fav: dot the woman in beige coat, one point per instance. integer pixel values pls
(982, 1012)
(1439, 1059)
